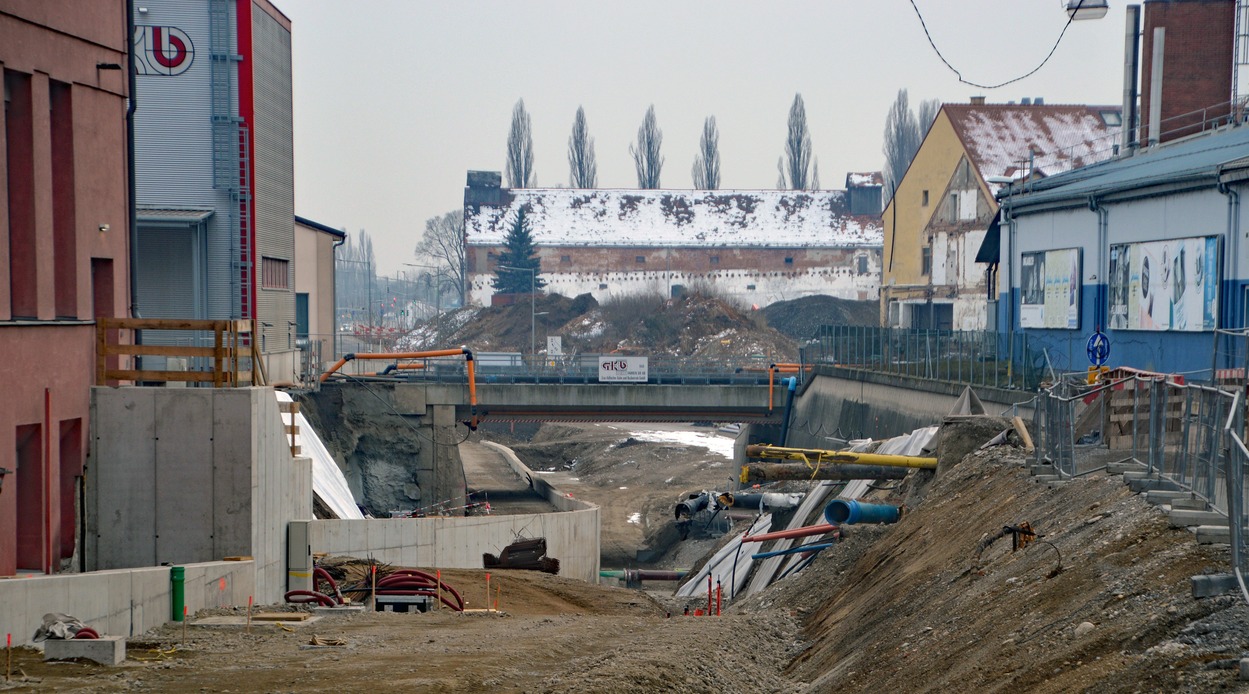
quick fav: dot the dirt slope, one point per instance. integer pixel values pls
(695, 325)
(900, 608)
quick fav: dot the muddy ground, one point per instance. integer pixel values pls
(1103, 603)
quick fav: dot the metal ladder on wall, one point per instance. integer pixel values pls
(231, 157)
(1240, 59)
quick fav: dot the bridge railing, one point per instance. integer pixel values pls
(978, 358)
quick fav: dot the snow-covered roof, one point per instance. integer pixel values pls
(1058, 137)
(869, 178)
(728, 218)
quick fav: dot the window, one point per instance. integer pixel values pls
(750, 287)
(640, 259)
(1112, 119)
(925, 199)
(64, 241)
(715, 260)
(925, 261)
(565, 259)
(602, 285)
(862, 265)
(789, 260)
(20, 164)
(275, 273)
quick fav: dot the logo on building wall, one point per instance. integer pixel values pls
(165, 51)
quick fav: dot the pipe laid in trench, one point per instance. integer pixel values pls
(814, 456)
(772, 472)
(821, 529)
(849, 512)
(792, 550)
(775, 501)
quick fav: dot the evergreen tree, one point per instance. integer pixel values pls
(512, 273)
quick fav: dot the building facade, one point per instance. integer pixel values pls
(937, 218)
(757, 247)
(314, 291)
(63, 231)
(214, 154)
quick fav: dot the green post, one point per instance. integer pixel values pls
(177, 578)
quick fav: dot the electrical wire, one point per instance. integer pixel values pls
(957, 73)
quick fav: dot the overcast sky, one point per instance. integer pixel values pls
(395, 100)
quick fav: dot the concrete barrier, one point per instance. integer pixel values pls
(572, 535)
(120, 602)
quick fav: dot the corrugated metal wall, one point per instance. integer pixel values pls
(274, 184)
(173, 144)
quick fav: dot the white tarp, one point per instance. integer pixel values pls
(729, 566)
(328, 482)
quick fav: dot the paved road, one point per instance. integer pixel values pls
(490, 477)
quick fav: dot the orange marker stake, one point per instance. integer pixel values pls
(373, 570)
(249, 615)
(498, 590)
(184, 614)
(719, 596)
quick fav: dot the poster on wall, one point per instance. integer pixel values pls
(1050, 284)
(1165, 285)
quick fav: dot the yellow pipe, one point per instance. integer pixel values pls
(817, 456)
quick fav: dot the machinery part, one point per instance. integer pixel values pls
(527, 554)
(808, 531)
(693, 504)
(773, 472)
(850, 511)
(816, 457)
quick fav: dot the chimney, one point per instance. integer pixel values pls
(1193, 91)
(1026, 101)
(977, 101)
(1038, 101)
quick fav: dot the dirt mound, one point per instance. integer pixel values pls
(799, 319)
(695, 325)
(911, 610)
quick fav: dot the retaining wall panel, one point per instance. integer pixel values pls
(125, 499)
(184, 477)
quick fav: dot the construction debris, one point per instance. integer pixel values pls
(528, 554)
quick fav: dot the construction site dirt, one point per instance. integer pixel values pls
(1100, 602)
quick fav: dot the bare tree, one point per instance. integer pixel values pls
(797, 160)
(815, 174)
(901, 141)
(520, 149)
(582, 167)
(707, 163)
(443, 243)
(928, 110)
(646, 157)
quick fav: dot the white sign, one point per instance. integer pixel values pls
(623, 369)
(554, 346)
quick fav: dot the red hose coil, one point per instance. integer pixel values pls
(304, 597)
(87, 633)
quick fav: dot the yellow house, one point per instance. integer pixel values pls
(936, 220)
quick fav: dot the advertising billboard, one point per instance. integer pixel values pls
(616, 369)
(1165, 285)
(1049, 289)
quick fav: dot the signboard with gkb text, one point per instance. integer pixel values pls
(622, 369)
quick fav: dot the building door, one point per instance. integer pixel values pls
(301, 315)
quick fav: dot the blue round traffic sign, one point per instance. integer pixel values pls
(1098, 348)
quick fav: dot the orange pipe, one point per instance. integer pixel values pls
(393, 355)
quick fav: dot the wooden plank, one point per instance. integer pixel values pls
(130, 375)
(101, 361)
(160, 350)
(158, 323)
(281, 616)
(218, 377)
(1022, 430)
(292, 429)
(237, 558)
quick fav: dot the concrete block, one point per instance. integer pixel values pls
(1190, 504)
(1182, 518)
(1148, 483)
(1211, 585)
(1244, 669)
(106, 650)
(1046, 478)
(1137, 474)
(1165, 496)
(1212, 534)
(1121, 468)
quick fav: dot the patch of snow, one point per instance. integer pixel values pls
(634, 518)
(716, 444)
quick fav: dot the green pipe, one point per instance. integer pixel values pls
(177, 580)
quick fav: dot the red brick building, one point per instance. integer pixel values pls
(758, 246)
(1196, 38)
(64, 243)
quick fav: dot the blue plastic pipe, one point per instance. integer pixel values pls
(792, 550)
(849, 512)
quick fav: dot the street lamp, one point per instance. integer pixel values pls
(533, 293)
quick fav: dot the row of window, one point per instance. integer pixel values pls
(641, 260)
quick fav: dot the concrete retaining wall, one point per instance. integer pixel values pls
(850, 404)
(124, 602)
(182, 475)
